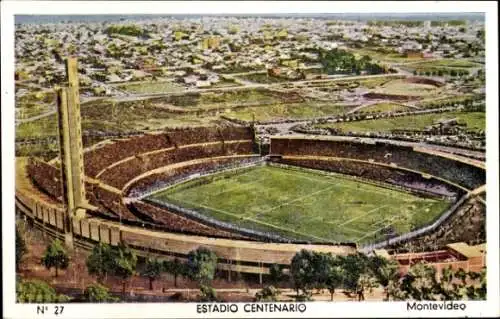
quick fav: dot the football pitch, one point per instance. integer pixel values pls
(304, 204)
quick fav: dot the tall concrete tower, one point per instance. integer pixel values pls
(71, 149)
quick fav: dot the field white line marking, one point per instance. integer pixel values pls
(295, 200)
(300, 198)
(241, 186)
(348, 187)
(362, 215)
(390, 220)
(255, 221)
(371, 233)
(354, 230)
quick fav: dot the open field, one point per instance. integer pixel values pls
(286, 110)
(224, 83)
(474, 121)
(384, 57)
(304, 204)
(151, 87)
(384, 107)
(448, 63)
(262, 78)
(403, 87)
(107, 117)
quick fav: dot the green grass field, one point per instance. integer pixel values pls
(403, 87)
(262, 78)
(474, 121)
(449, 63)
(304, 204)
(286, 110)
(384, 107)
(151, 87)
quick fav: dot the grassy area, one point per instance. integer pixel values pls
(25, 112)
(151, 87)
(372, 83)
(104, 116)
(46, 126)
(444, 100)
(449, 63)
(473, 120)
(393, 57)
(239, 96)
(285, 110)
(304, 204)
(384, 107)
(262, 78)
(403, 87)
(224, 83)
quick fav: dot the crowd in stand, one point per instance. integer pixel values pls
(406, 179)
(175, 146)
(120, 174)
(46, 177)
(99, 158)
(177, 223)
(237, 141)
(466, 225)
(174, 175)
(463, 174)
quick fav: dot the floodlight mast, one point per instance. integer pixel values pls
(71, 150)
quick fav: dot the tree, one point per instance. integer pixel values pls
(100, 261)
(176, 268)
(477, 292)
(55, 256)
(20, 248)
(98, 293)
(354, 266)
(302, 270)
(365, 283)
(267, 294)
(37, 291)
(420, 282)
(334, 279)
(152, 269)
(447, 288)
(276, 273)
(124, 263)
(386, 272)
(322, 264)
(202, 263)
(207, 294)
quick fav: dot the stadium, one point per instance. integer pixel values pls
(254, 204)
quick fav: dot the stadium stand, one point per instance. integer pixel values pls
(98, 158)
(379, 173)
(176, 223)
(173, 174)
(120, 174)
(121, 170)
(46, 177)
(467, 225)
(463, 174)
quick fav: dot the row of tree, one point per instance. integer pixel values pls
(355, 274)
(37, 291)
(359, 273)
